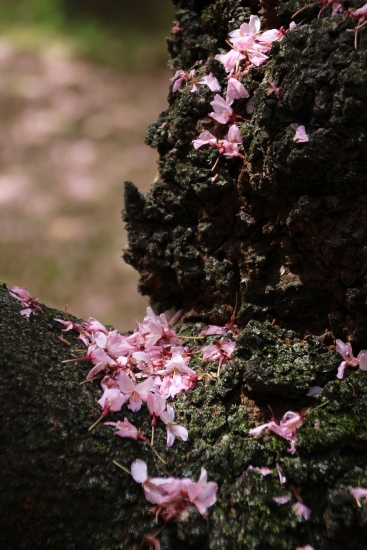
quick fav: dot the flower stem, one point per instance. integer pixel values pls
(157, 454)
(117, 463)
(95, 424)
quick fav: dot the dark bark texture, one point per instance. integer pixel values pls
(283, 234)
(286, 230)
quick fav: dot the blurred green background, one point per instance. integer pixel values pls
(119, 33)
(80, 81)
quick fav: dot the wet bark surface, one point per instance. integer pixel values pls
(283, 234)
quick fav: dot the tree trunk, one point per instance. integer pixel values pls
(280, 240)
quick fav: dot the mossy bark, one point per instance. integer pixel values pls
(285, 231)
(284, 236)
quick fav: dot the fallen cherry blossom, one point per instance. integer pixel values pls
(223, 111)
(126, 429)
(173, 430)
(189, 78)
(346, 352)
(229, 146)
(287, 427)
(28, 302)
(175, 495)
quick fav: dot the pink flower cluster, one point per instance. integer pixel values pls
(228, 146)
(28, 302)
(287, 427)
(221, 349)
(349, 360)
(148, 367)
(249, 46)
(174, 496)
(189, 78)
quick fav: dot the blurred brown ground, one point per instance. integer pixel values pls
(72, 133)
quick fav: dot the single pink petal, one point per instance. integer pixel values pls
(265, 471)
(135, 402)
(168, 415)
(258, 429)
(270, 36)
(340, 374)
(205, 138)
(125, 383)
(300, 136)
(235, 90)
(179, 431)
(211, 82)
(156, 403)
(359, 492)
(281, 500)
(282, 478)
(234, 134)
(257, 57)
(139, 471)
(302, 510)
(27, 312)
(69, 324)
(213, 329)
(230, 59)
(362, 358)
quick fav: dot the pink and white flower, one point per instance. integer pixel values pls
(229, 146)
(175, 495)
(346, 352)
(135, 393)
(111, 400)
(126, 429)
(223, 111)
(203, 493)
(173, 430)
(28, 302)
(287, 427)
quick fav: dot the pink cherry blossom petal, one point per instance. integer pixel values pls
(300, 136)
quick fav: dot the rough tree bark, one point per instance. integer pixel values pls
(283, 235)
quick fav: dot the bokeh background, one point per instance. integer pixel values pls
(80, 81)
